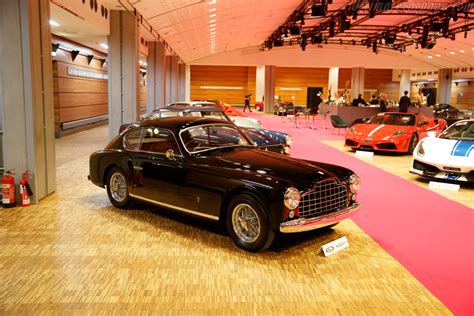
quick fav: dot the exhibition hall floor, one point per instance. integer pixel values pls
(74, 252)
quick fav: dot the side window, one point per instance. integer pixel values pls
(131, 140)
(158, 141)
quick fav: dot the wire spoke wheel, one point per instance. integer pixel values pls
(118, 187)
(246, 223)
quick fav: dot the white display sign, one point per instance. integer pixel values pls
(335, 246)
(444, 186)
(364, 154)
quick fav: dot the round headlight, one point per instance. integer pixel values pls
(421, 150)
(292, 198)
(400, 132)
(289, 140)
(352, 130)
(354, 183)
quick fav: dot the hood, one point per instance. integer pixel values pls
(257, 165)
(377, 131)
(448, 151)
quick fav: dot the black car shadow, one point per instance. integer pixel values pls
(143, 213)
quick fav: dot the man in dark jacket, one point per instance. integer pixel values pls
(404, 103)
(358, 101)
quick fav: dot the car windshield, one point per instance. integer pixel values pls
(393, 119)
(209, 137)
(460, 131)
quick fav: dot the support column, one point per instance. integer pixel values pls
(155, 76)
(405, 84)
(187, 82)
(333, 82)
(123, 69)
(357, 82)
(182, 82)
(270, 79)
(445, 82)
(171, 79)
(26, 94)
(259, 83)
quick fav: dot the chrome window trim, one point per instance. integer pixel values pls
(152, 152)
(182, 209)
(212, 124)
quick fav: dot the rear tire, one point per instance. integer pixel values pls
(413, 143)
(248, 224)
(117, 188)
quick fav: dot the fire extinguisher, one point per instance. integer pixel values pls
(8, 189)
(25, 190)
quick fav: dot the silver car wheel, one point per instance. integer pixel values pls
(246, 223)
(118, 187)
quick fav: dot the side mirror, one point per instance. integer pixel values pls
(170, 154)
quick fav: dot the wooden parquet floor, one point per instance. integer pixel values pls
(74, 253)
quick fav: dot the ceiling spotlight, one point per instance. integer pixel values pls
(278, 43)
(104, 45)
(438, 55)
(89, 59)
(319, 10)
(390, 39)
(303, 42)
(332, 25)
(212, 15)
(294, 30)
(430, 57)
(54, 48)
(316, 39)
(53, 23)
(424, 36)
(74, 54)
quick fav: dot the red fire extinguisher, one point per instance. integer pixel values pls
(25, 190)
(8, 189)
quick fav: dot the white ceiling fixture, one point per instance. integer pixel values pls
(104, 45)
(53, 23)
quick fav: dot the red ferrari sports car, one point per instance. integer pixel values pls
(395, 132)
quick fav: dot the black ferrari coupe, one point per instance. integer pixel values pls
(209, 168)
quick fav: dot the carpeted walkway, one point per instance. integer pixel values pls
(431, 236)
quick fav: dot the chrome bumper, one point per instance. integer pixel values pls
(306, 224)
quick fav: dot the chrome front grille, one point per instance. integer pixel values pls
(326, 197)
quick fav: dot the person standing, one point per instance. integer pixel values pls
(404, 103)
(383, 103)
(358, 101)
(247, 102)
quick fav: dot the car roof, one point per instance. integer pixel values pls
(191, 103)
(187, 108)
(178, 123)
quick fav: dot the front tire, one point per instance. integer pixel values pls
(413, 143)
(248, 224)
(117, 188)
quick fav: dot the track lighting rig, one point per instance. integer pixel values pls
(357, 23)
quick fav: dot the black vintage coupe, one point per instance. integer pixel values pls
(209, 168)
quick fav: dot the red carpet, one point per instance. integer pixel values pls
(431, 236)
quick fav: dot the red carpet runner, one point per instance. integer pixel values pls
(431, 236)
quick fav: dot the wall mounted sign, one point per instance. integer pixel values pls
(75, 72)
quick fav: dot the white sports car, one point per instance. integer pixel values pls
(449, 156)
